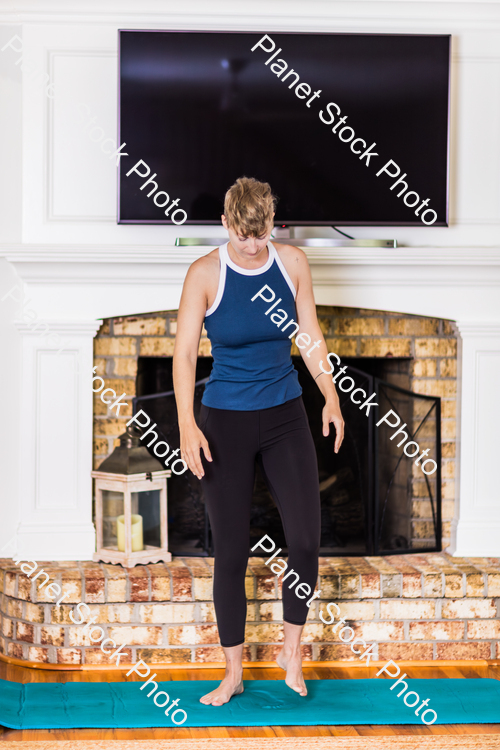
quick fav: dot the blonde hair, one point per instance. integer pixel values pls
(249, 206)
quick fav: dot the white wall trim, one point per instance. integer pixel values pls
(261, 14)
(476, 524)
(475, 538)
(55, 442)
(404, 256)
(75, 327)
(49, 213)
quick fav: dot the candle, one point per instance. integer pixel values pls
(137, 539)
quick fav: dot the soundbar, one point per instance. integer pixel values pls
(305, 242)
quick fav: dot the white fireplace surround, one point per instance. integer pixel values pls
(72, 289)
(60, 242)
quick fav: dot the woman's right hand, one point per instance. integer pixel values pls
(192, 440)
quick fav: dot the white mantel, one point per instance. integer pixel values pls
(59, 237)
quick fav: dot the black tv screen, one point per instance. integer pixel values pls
(200, 109)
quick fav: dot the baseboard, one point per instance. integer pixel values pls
(249, 665)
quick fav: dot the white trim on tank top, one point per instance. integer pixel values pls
(225, 260)
(249, 271)
(222, 283)
(283, 270)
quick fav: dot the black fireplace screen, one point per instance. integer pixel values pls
(371, 491)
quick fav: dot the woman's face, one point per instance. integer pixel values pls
(247, 248)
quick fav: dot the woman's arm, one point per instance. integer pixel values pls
(192, 309)
(316, 351)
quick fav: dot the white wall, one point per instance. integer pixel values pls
(10, 138)
(70, 186)
(10, 434)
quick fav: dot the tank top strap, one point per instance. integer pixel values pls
(223, 258)
(275, 255)
(223, 254)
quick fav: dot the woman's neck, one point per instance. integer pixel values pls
(252, 262)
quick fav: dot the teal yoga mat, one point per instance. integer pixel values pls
(264, 703)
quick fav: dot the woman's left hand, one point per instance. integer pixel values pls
(332, 413)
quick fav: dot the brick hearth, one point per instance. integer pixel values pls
(419, 607)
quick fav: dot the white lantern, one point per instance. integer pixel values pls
(131, 506)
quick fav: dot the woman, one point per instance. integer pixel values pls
(251, 411)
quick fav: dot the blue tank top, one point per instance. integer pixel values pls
(252, 363)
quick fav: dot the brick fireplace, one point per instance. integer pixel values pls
(420, 606)
(72, 291)
(427, 346)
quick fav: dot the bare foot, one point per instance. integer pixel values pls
(291, 662)
(229, 686)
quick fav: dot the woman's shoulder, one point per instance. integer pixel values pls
(290, 253)
(207, 264)
(203, 276)
(295, 261)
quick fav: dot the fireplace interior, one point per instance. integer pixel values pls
(366, 490)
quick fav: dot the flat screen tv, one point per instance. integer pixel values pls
(348, 129)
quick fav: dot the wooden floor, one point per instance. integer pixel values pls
(21, 674)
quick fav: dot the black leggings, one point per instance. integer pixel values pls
(278, 438)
